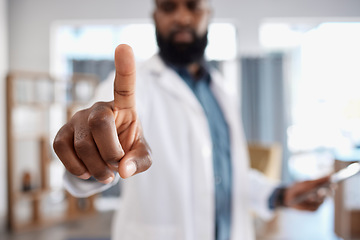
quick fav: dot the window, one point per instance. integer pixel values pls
(98, 41)
(325, 84)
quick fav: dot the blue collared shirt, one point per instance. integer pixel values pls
(221, 149)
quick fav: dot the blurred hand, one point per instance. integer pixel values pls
(107, 137)
(307, 195)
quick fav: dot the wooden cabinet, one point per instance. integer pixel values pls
(37, 105)
(266, 159)
(347, 199)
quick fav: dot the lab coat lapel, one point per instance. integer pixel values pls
(203, 185)
(230, 106)
(173, 83)
(228, 101)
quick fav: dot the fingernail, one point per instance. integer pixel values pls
(130, 169)
(85, 176)
(108, 180)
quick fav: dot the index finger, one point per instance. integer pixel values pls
(124, 83)
(320, 181)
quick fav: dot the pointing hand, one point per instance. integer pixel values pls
(107, 137)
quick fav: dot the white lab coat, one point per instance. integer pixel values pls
(174, 199)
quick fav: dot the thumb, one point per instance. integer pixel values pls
(125, 78)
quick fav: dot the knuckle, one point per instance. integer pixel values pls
(100, 105)
(75, 170)
(78, 114)
(82, 147)
(98, 118)
(125, 93)
(58, 144)
(60, 141)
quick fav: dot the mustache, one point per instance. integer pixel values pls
(177, 30)
(181, 54)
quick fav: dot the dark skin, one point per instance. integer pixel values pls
(313, 201)
(108, 137)
(179, 16)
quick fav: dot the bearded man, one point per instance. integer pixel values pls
(199, 186)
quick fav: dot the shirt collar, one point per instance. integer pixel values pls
(185, 75)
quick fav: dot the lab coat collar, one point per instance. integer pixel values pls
(157, 68)
(172, 82)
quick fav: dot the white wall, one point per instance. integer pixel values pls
(250, 13)
(30, 21)
(3, 71)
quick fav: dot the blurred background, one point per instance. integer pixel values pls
(296, 65)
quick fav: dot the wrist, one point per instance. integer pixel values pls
(280, 200)
(279, 197)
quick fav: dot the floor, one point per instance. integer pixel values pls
(291, 224)
(97, 226)
(288, 225)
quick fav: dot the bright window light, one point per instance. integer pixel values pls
(222, 42)
(281, 35)
(325, 106)
(329, 99)
(98, 42)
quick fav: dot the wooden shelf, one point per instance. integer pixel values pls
(16, 84)
(32, 194)
(29, 136)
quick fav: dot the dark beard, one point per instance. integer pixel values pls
(181, 54)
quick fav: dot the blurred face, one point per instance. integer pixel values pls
(181, 29)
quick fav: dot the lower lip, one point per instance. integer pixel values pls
(184, 37)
